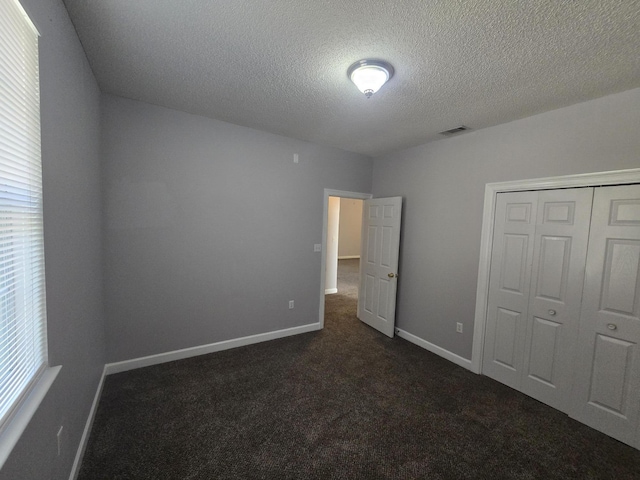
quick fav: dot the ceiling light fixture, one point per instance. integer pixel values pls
(370, 75)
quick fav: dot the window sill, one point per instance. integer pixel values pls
(27, 410)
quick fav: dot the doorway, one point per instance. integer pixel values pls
(344, 225)
(341, 239)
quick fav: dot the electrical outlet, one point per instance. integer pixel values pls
(290, 303)
(317, 247)
(459, 327)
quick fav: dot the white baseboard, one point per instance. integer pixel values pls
(169, 357)
(452, 357)
(329, 291)
(126, 365)
(87, 428)
(348, 257)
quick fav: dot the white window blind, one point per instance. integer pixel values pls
(23, 343)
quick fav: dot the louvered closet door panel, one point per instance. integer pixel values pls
(557, 276)
(509, 282)
(607, 383)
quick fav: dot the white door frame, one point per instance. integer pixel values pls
(617, 177)
(325, 218)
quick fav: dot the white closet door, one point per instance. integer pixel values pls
(607, 383)
(509, 282)
(560, 250)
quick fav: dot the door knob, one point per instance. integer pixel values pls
(391, 275)
(552, 312)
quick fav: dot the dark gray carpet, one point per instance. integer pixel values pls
(342, 403)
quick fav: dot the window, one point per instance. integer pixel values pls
(23, 342)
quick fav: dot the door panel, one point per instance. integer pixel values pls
(619, 293)
(387, 247)
(370, 282)
(553, 267)
(560, 249)
(504, 352)
(514, 264)
(610, 384)
(545, 340)
(607, 383)
(383, 298)
(509, 283)
(380, 247)
(371, 245)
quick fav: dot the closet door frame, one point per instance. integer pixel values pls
(616, 177)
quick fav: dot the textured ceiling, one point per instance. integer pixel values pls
(280, 65)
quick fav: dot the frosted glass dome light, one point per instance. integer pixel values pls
(370, 75)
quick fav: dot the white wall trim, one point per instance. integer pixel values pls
(446, 354)
(126, 365)
(27, 408)
(329, 291)
(328, 192)
(348, 257)
(617, 177)
(75, 470)
(141, 362)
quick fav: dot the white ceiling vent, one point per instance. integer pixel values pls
(455, 131)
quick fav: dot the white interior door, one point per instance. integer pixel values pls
(509, 282)
(379, 263)
(557, 277)
(607, 381)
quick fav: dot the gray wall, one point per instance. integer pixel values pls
(70, 102)
(443, 188)
(210, 227)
